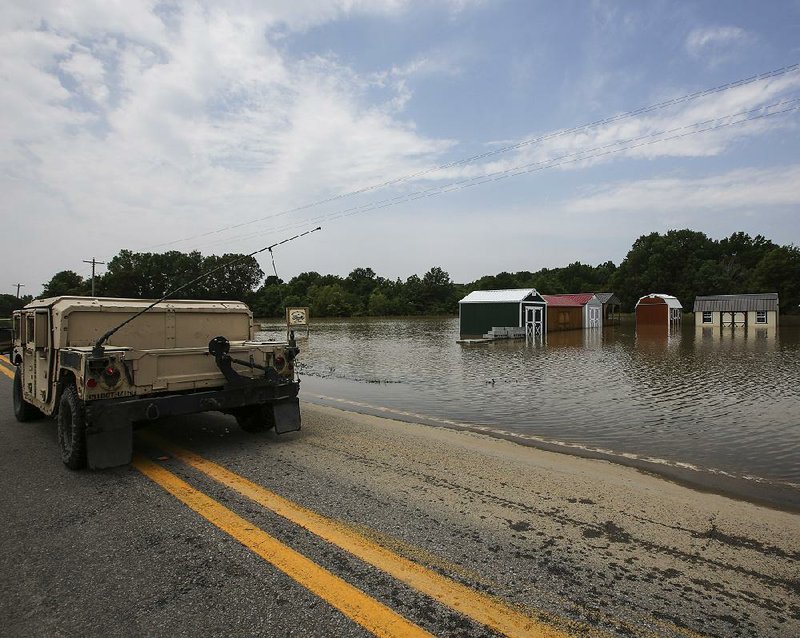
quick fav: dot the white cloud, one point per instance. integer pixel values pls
(716, 44)
(703, 127)
(130, 124)
(740, 190)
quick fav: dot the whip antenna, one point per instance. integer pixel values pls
(97, 349)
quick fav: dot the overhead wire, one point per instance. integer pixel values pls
(618, 146)
(574, 157)
(494, 152)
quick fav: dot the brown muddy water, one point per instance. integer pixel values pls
(705, 405)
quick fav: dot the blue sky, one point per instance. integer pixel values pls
(214, 126)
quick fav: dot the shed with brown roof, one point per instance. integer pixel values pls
(658, 310)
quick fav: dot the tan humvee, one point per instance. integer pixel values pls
(179, 357)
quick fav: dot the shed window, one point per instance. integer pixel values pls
(706, 317)
(761, 316)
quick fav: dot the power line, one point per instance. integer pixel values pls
(649, 139)
(569, 131)
(524, 168)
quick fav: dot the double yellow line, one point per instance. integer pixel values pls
(9, 372)
(358, 606)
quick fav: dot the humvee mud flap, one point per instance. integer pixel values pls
(109, 432)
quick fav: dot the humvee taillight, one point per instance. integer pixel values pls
(91, 383)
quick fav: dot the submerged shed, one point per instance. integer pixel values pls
(482, 310)
(658, 310)
(573, 312)
(563, 313)
(612, 307)
(736, 310)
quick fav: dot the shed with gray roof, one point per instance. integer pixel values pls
(759, 309)
(611, 307)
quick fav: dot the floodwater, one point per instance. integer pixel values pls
(726, 401)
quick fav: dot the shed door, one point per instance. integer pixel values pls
(533, 321)
(594, 316)
(732, 319)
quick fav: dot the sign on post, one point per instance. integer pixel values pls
(297, 318)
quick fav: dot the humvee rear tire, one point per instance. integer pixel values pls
(255, 418)
(72, 429)
(23, 411)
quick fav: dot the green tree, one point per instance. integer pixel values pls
(663, 264)
(231, 276)
(712, 277)
(66, 282)
(361, 282)
(411, 296)
(741, 254)
(436, 292)
(268, 300)
(298, 287)
(10, 303)
(331, 301)
(152, 275)
(779, 271)
(379, 305)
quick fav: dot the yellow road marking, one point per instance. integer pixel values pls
(356, 605)
(9, 373)
(483, 609)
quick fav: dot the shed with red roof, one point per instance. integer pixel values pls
(573, 312)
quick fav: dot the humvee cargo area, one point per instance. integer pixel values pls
(179, 357)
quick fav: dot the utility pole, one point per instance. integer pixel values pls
(18, 287)
(93, 262)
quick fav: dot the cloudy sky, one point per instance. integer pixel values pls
(476, 135)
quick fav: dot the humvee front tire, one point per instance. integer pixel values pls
(72, 429)
(255, 418)
(23, 411)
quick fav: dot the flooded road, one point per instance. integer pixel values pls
(723, 401)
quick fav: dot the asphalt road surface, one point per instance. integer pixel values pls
(359, 526)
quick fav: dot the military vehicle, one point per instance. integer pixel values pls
(85, 362)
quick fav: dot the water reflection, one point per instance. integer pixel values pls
(725, 398)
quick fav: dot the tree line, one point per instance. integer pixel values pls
(683, 263)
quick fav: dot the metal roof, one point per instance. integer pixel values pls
(579, 299)
(514, 295)
(118, 304)
(607, 297)
(671, 301)
(563, 301)
(737, 303)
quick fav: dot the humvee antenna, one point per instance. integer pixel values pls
(97, 349)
